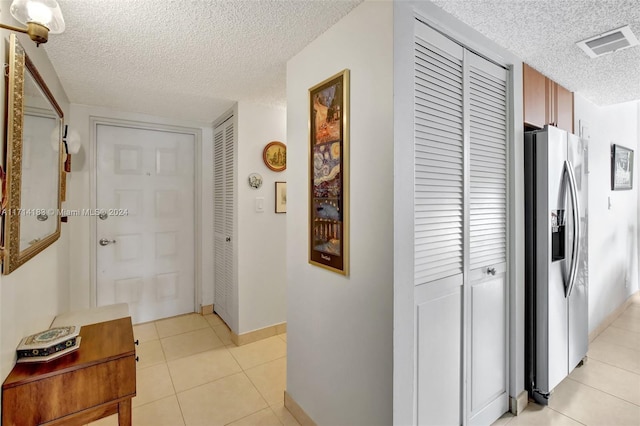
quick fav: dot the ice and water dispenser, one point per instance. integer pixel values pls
(557, 235)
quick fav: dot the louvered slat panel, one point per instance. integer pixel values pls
(218, 188)
(229, 148)
(488, 156)
(438, 149)
(218, 221)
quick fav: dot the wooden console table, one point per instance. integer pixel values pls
(97, 380)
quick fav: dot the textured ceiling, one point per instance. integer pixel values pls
(543, 34)
(188, 59)
(192, 59)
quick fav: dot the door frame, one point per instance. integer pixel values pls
(405, 362)
(94, 122)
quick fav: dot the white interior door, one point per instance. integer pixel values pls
(145, 244)
(224, 222)
(439, 226)
(486, 297)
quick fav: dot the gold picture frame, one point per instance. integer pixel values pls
(29, 97)
(274, 156)
(329, 173)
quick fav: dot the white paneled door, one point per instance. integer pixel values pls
(145, 232)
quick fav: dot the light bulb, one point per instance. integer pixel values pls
(39, 13)
(44, 12)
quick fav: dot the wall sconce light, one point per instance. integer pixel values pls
(40, 16)
(70, 141)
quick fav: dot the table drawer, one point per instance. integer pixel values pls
(56, 396)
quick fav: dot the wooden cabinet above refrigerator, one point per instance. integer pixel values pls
(545, 101)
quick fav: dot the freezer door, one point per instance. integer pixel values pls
(577, 153)
(551, 304)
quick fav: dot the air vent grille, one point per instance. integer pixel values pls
(609, 42)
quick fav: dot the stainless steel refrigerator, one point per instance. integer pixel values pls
(557, 281)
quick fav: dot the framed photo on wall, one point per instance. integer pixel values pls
(621, 167)
(281, 197)
(329, 173)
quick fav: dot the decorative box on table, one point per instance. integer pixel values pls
(49, 344)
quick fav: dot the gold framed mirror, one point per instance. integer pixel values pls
(33, 163)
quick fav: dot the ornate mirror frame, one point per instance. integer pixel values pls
(19, 66)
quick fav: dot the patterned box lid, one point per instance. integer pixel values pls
(49, 338)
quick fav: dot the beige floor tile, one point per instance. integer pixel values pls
(270, 379)
(612, 380)
(181, 324)
(205, 367)
(264, 417)
(149, 353)
(616, 355)
(223, 401)
(621, 337)
(536, 415)
(111, 420)
(145, 332)
(503, 420)
(633, 310)
(164, 412)
(259, 352)
(153, 383)
(190, 343)
(223, 332)
(627, 321)
(284, 415)
(213, 320)
(591, 406)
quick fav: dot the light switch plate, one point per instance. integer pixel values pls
(259, 204)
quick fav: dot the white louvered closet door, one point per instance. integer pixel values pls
(459, 233)
(224, 217)
(438, 221)
(486, 307)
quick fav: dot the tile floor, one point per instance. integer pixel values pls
(605, 390)
(190, 373)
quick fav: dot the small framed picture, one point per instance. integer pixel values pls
(281, 197)
(621, 168)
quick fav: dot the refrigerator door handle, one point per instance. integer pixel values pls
(573, 191)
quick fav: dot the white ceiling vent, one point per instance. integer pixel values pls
(608, 42)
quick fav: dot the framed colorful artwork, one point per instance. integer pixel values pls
(329, 173)
(274, 156)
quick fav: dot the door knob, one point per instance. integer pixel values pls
(491, 271)
(105, 242)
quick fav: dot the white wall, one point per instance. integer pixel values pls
(261, 243)
(613, 232)
(79, 193)
(35, 293)
(340, 329)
